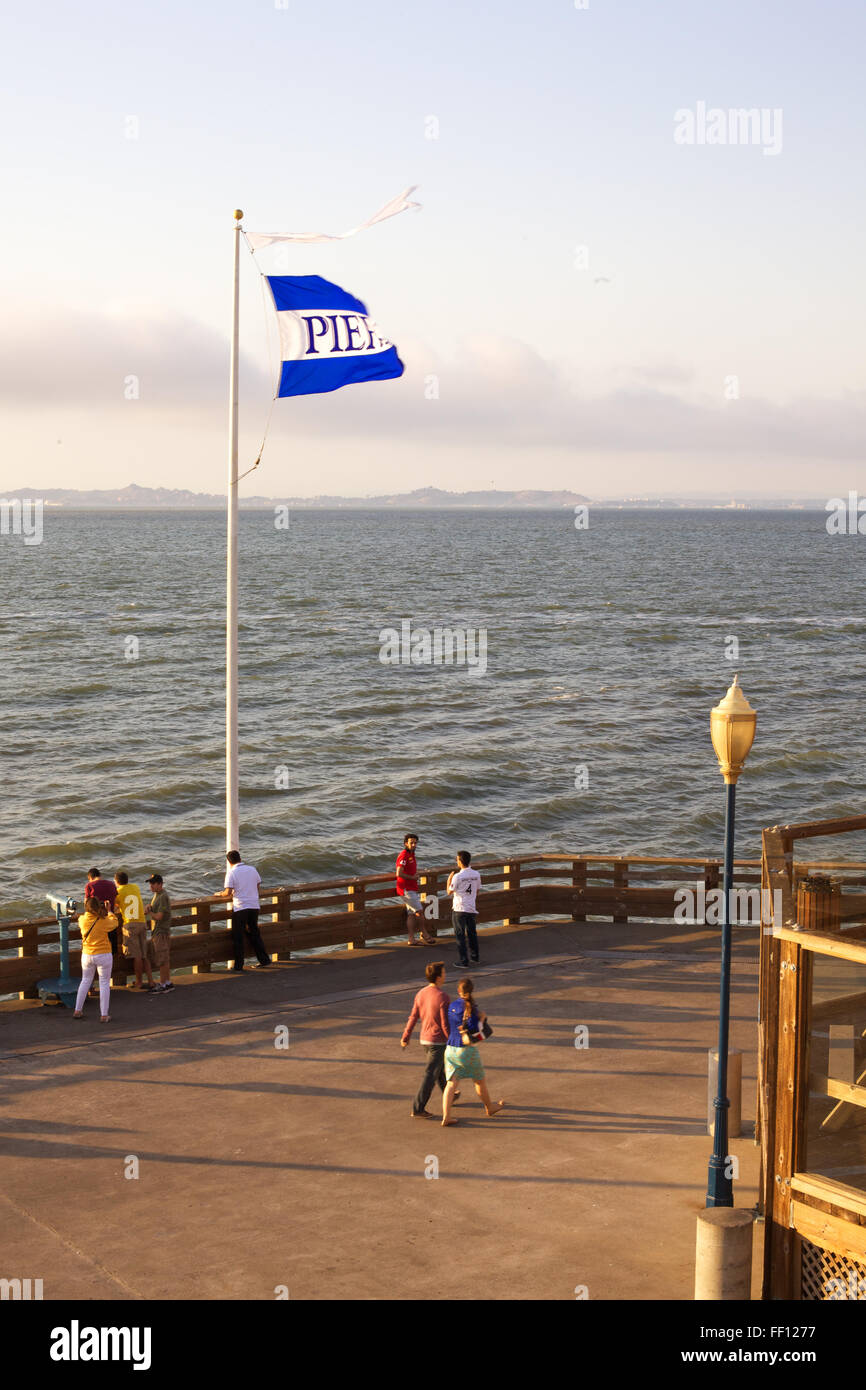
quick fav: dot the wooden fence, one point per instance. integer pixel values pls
(815, 1215)
(351, 912)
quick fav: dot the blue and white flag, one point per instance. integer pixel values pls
(327, 338)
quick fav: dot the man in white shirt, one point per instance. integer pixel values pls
(242, 886)
(464, 884)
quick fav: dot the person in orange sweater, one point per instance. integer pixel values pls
(95, 923)
(431, 1007)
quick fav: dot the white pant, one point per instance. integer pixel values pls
(89, 966)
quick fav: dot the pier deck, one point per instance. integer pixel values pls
(262, 1167)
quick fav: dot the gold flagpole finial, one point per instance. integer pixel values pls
(238, 214)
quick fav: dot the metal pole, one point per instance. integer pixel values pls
(720, 1190)
(232, 835)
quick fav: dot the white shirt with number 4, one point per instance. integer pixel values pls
(464, 886)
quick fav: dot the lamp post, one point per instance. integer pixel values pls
(732, 729)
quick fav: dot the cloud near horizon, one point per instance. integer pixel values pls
(497, 391)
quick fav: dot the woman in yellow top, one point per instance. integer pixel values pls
(95, 923)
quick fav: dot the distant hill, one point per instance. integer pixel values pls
(423, 498)
(161, 498)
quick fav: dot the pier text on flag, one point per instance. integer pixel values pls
(327, 338)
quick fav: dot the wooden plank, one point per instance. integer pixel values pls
(825, 943)
(9, 930)
(784, 1127)
(813, 1187)
(374, 894)
(561, 875)
(709, 877)
(336, 901)
(843, 1237)
(16, 976)
(543, 901)
(801, 1071)
(808, 829)
(849, 1092)
(494, 904)
(652, 859)
(849, 870)
(29, 938)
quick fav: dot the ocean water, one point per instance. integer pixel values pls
(605, 650)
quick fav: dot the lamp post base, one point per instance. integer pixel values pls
(720, 1189)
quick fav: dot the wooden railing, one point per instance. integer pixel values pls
(350, 912)
(799, 1206)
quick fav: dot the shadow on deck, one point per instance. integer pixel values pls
(261, 1166)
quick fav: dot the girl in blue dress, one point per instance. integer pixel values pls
(462, 1058)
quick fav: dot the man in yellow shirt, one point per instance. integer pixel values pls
(130, 910)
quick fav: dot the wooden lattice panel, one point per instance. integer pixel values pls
(827, 1276)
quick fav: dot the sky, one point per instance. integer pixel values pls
(586, 299)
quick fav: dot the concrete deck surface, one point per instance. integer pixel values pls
(261, 1167)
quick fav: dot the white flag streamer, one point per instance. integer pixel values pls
(259, 240)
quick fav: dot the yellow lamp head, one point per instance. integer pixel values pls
(732, 729)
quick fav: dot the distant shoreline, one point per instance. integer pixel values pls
(667, 508)
(429, 499)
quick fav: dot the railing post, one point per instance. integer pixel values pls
(283, 915)
(578, 883)
(620, 881)
(201, 923)
(512, 885)
(357, 904)
(29, 938)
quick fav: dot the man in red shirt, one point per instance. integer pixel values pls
(407, 889)
(431, 1007)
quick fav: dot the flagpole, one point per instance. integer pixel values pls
(232, 833)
